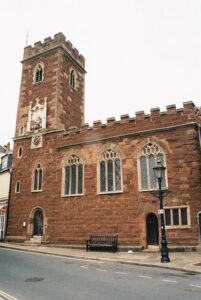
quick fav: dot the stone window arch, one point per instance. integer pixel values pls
(38, 73)
(149, 154)
(17, 187)
(109, 172)
(72, 79)
(37, 178)
(73, 176)
(20, 152)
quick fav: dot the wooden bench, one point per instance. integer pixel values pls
(100, 242)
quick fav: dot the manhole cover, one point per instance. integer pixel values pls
(34, 279)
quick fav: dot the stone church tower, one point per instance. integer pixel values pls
(51, 101)
(52, 87)
(71, 180)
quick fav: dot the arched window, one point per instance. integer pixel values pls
(149, 155)
(72, 79)
(110, 172)
(73, 183)
(20, 151)
(17, 187)
(38, 178)
(38, 73)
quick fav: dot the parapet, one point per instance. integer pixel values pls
(59, 40)
(171, 115)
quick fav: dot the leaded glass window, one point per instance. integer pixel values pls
(110, 172)
(167, 217)
(184, 217)
(38, 178)
(73, 182)
(148, 159)
(177, 216)
(102, 176)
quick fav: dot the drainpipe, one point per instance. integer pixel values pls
(8, 205)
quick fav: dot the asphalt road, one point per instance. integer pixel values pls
(28, 276)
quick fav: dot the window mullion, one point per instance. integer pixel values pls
(113, 175)
(171, 217)
(179, 211)
(155, 165)
(76, 180)
(70, 178)
(37, 179)
(106, 176)
(148, 173)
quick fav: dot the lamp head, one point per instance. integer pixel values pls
(159, 170)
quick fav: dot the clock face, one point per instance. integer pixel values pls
(36, 141)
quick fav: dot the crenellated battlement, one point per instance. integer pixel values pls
(59, 40)
(172, 116)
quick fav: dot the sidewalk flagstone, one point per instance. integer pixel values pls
(184, 261)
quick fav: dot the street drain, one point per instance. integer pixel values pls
(190, 273)
(34, 279)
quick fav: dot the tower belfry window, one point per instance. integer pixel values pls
(72, 79)
(38, 73)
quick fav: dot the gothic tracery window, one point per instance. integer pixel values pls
(149, 155)
(38, 73)
(110, 172)
(38, 178)
(73, 183)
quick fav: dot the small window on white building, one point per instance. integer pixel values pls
(4, 162)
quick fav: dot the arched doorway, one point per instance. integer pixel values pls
(38, 223)
(152, 229)
(199, 225)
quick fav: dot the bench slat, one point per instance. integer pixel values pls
(99, 242)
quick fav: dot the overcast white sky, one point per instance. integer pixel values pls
(140, 54)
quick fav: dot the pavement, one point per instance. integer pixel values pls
(184, 261)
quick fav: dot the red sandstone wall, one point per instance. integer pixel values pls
(73, 219)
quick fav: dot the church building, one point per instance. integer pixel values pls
(71, 180)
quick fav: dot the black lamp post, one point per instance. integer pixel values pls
(159, 171)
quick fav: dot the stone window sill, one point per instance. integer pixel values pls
(73, 195)
(110, 192)
(177, 227)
